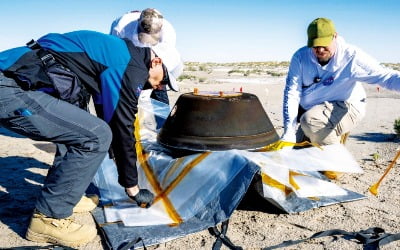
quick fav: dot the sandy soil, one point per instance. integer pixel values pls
(255, 224)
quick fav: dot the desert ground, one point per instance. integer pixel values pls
(255, 224)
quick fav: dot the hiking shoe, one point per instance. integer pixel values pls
(59, 231)
(86, 204)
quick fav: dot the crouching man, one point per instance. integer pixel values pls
(44, 91)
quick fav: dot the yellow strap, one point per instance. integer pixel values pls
(281, 144)
(162, 194)
(152, 179)
(267, 180)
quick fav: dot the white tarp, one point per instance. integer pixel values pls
(183, 186)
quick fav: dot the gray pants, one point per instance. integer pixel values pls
(85, 140)
(327, 122)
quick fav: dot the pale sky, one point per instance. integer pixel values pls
(220, 30)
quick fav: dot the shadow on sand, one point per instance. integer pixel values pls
(6, 132)
(376, 137)
(20, 186)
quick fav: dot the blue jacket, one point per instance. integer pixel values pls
(113, 70)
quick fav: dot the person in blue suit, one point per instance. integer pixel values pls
(45, 87)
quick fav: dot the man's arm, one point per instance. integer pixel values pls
(121, 87)
(367, 69)
(291, 99)
(125, 26)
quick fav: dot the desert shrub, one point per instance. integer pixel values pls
(396, 126)
(273, 73)
(191, 68)
(186, 76)
(236, 71)
(254, 72)
(395, 66)
(203, 68)
(376, 157)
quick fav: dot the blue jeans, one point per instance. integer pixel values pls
(82, 138)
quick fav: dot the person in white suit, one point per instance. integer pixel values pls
(148, 28)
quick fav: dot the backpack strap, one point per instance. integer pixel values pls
(131, 244)
(221, 237)
(32, 44)
(373, 237)
(47, 59)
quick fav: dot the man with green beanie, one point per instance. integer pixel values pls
(324, 92)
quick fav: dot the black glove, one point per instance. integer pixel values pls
(144, 198)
